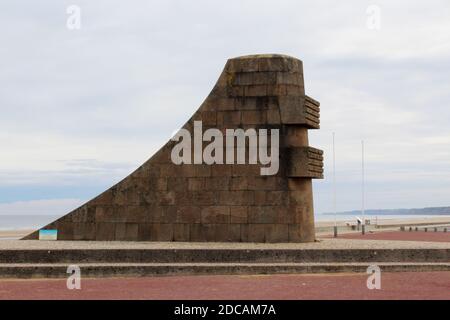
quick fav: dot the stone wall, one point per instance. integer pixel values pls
(162, 201)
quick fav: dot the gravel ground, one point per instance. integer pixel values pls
(321, 244)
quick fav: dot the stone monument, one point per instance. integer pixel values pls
(194, 201)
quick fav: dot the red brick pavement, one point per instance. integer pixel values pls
(406, 285)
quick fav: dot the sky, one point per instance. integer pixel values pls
(80, 109)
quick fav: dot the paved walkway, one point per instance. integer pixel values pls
(401, 235)
(406, 285)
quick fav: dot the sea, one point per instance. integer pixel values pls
(23, 222)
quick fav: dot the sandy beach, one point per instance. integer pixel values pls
(14, 234)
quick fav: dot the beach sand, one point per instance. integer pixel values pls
(14, 234)
(381, 224)
(386, 222)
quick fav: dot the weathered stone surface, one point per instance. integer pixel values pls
(181, 232)
(277, 233)
(162, 201)
(304, 162)
(84, 231)
(216, 214)
(238, 214)
(126, 232)
(256, 232)
(104, 231)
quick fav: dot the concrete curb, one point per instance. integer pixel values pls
(223, 255)
(142, 270)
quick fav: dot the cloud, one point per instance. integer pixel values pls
(81, 109)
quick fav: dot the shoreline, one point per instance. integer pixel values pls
(14, 234)
(384, 222)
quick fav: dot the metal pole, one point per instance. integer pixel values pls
(363, 226)
(334, 190)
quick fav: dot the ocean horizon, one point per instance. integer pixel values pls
(23, 222)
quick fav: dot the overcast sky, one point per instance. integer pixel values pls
(80, 109)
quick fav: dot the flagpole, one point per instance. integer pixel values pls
(363, 226)
(334, 190)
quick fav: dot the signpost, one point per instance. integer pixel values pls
(48, 234)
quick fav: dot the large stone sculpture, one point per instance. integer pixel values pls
(164, 201)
